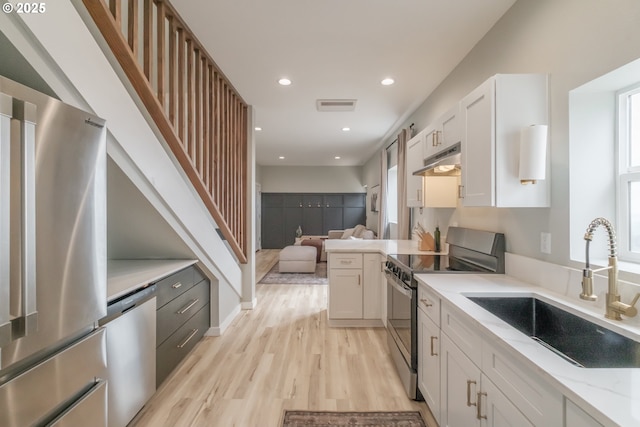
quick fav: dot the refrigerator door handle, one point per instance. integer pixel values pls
(6, 113)
(26, 320)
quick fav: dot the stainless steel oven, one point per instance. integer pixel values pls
(470, 251)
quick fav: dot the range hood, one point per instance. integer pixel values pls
(443, 163)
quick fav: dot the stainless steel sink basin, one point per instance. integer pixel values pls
(579, 341)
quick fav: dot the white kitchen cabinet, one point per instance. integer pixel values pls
(576, 417)
(492, 117)
(429, 362)
(469, 398)
(430, 191)
(354, 289)
(444, 132)
(459, 387)
(372, 286)
(345, 298)
(414, 161)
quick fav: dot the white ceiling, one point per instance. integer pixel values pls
(336, 49)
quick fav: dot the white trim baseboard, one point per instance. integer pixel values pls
(216, 331)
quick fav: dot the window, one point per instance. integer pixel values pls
(629, 173)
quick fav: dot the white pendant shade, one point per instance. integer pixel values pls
(533, 153)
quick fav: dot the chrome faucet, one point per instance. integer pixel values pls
(614, 307)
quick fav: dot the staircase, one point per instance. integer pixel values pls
(198, 112)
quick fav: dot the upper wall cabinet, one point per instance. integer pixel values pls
(444, 132)
(493, 116)
(415, 156)
(432, 191)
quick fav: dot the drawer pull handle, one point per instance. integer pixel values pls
(176, 285)
(433, 353)
(469, 403)
(191, 335)
(345, 261)
(479, 408)
(189, 306)
(426, 303)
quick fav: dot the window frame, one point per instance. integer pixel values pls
(626, 174)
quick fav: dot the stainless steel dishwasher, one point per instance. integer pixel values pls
(131, 354)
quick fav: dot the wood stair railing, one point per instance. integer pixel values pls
(198, 112)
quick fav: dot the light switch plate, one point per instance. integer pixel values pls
(545, 243)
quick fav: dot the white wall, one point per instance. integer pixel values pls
(311, 179)
(574, 41)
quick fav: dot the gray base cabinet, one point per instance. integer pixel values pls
(183, 316)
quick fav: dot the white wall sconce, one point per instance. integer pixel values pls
(533, 153)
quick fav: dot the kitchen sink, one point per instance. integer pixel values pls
(577, 340)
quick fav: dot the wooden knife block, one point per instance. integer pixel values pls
(427, 243)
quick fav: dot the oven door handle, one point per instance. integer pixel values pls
(400, 288)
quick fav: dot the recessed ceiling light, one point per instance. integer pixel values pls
(346, 129)
(258, 128)
(284, 81)
(281, 157)
(388, 81)
(337, 157)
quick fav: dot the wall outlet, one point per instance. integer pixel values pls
(545, 243)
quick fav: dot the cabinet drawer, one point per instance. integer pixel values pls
(462, 333)
(173, 314)
(180, 343)
(174, 285)
(345, 260)
(429, 302)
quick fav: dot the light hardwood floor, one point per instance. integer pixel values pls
(281, 355)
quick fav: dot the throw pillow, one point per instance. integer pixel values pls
(358, 230)
(368, 234)
(347, 233)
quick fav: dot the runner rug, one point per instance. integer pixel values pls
(274, 277)
(359, 419)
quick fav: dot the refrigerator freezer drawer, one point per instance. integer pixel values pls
(36, 395)
(89, 410)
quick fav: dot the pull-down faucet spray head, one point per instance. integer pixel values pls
(587, 272)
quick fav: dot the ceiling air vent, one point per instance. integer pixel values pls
(336, 104)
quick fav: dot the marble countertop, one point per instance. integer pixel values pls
(124, 276)
(612, 394)
(384, 247)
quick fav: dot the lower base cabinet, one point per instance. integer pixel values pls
(183, 316)
(469, 398)
(429, 362)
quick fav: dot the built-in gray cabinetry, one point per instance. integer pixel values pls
(315, 213)
(183, 316)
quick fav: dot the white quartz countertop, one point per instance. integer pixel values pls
(124, 276)
(384, 247)
(613, 393)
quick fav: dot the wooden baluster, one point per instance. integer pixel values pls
(172, 71)
(161, 50)
(197, 147)
(190, 95)
(147, 38)
(115, 6)
(182, 42)
(132, 27)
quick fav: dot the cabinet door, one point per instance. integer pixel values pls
(478, 146)
(460, 384)
(415, 157)
(429, 362)
(577, 417)
(372, 273)
(497, 409)
(449, 124)
(345, 294)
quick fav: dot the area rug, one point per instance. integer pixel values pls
(274, 277)
(360, 419)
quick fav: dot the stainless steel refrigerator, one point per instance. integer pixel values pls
(52, 261)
